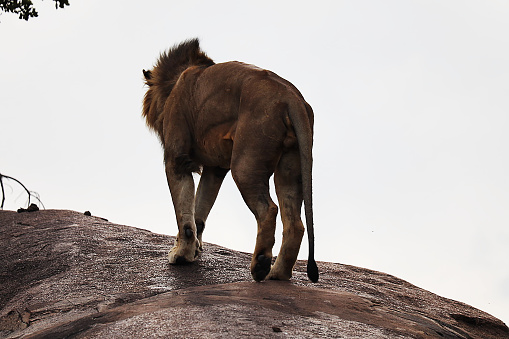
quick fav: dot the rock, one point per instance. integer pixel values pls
(32, 208)
(63, 274)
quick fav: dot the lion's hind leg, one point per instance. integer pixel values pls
(257, 148)
(288, 182)
(253, 183)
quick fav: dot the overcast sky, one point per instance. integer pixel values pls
(411, 124)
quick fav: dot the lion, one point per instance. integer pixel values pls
(214, 118)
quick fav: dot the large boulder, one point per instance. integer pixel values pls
(65, 274)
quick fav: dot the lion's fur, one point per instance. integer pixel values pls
(165, 74)
(218, 117)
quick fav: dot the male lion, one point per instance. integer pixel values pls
(211, 118)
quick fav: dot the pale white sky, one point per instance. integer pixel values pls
(411, 118)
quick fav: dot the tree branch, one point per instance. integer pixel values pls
(25, 8)
(30, 194)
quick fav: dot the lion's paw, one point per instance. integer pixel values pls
(179, 255)
(261, 267)
(276, 274)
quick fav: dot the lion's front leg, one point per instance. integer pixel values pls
(210, 182)
(187, 245)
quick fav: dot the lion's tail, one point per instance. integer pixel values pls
(301, 118)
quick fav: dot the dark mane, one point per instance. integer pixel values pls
(176, 60)
(163, 77)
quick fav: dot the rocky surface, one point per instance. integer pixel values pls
(67, 275)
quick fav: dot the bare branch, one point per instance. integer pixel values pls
(3, 192)
(30, 193)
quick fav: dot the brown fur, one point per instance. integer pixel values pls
(211, 118)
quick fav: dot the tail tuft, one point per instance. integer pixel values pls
(312, 270)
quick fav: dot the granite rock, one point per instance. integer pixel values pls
(64, 274)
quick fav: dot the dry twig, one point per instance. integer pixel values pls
(30, 193)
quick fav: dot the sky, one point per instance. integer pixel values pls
(411, 118)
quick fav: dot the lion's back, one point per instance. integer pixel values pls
(233, 79)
